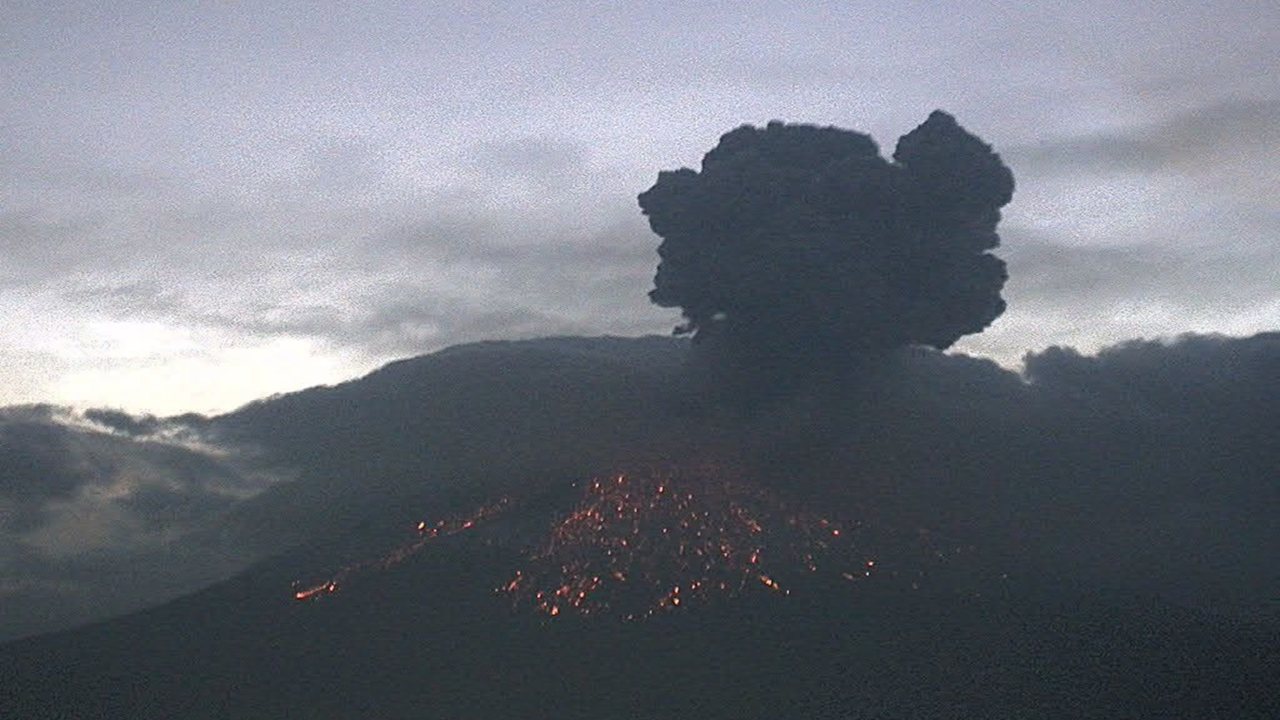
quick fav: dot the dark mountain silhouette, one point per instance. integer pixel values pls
(456, 426)
(430, 638)
(169, 493)
(1093, 539)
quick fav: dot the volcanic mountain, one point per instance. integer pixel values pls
(570, 528)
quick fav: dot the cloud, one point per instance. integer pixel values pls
(1205, 378)
(1074, 293)
(34, 466)
(545, 163)
(364, 286)
(1228, 278)
(85, 496)
(57, 462)
(1191, 142)
(427, 284)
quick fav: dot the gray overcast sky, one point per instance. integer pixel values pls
(205, 202)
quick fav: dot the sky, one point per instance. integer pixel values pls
(203, 203)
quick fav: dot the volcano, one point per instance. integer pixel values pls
(585, 541)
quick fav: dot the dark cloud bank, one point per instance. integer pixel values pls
(98, 511)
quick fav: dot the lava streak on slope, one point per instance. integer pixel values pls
(426, 533)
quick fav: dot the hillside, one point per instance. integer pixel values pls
(430, 638)
(929, 536)
(180, 502)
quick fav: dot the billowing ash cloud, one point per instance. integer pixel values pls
(799, 245)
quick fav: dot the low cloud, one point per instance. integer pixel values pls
(84, 494)
(428, 284)
(1193, 142)
(1073, 293)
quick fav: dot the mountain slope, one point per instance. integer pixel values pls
(1037, 546)
(461, 422)
(89, 499)
(430, 638)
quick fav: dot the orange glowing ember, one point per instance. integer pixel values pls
(635, 546)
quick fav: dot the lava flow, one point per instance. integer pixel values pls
(426, 533)
(634, 547)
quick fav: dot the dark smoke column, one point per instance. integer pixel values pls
(798, 248)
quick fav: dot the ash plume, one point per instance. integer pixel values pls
(797, 248)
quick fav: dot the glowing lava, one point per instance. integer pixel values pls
(636, 546)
